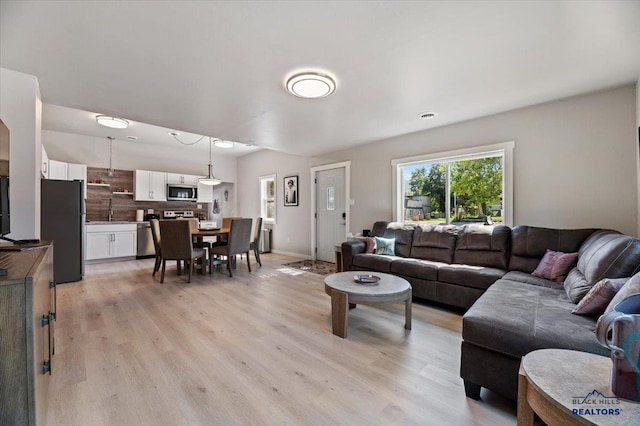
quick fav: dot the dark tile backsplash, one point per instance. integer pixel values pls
(124, 207)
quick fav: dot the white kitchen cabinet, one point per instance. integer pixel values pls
(78, 172)
(58, 170)
(98, 244)
(205, 193)
(150, 186)
(181, 179)
(44, 169)
(106, 241)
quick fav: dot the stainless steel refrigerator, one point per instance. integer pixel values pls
(62, 219)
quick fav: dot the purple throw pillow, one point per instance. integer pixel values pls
(371, 245)
(555, 265)
(600, 295)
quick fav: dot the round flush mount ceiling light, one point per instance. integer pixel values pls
(223, 144)
(427, 115)
(112, 122)
(311, 85)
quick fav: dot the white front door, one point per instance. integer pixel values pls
(331, 216)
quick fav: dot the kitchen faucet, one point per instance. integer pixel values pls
(110, 209)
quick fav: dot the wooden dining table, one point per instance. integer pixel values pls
(199, 234)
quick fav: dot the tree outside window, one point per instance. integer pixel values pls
(474, 188)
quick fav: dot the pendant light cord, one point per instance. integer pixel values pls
(111, 138)
(187, 143)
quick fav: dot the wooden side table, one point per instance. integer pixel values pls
(570, 388)
(339, 267)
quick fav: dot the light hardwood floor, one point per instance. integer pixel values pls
(253, 349)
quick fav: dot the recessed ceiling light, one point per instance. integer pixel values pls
(223, 144)
(311, 85)
(113, 122)
(427, 115)
(133, 138)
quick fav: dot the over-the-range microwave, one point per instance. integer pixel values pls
(182, 193)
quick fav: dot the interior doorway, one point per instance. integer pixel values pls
(330, 212)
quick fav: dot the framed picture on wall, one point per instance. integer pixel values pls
(291, 191)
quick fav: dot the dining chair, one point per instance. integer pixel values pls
(226, 224)
(176, 244)
(155, 234)
(193, 225)
(237, 243)
(255, 244)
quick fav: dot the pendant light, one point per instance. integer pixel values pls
(210, 179)
(111, 139)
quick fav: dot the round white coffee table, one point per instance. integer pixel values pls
(344, 291)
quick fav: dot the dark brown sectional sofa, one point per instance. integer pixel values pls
(487, 270)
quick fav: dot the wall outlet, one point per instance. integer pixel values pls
(199, 206)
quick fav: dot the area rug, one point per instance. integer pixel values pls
(315, 266)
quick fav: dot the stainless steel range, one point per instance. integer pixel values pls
(174, 214)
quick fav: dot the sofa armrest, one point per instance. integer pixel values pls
(350, 249)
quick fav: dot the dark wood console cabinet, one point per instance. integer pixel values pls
(27, 314)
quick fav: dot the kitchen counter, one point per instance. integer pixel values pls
(109, 240)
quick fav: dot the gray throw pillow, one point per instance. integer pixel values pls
(630, 287)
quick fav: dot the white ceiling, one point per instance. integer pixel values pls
(218, 68)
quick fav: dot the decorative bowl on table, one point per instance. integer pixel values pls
(366, 279)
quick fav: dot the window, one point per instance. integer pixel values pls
(268, 198)
(466, 186)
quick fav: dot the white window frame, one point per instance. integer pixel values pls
(263, 198)
(505, 149)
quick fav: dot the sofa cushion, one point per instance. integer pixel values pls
(529, 244)
(373, 262)
(378, 228)
(434, 242)
(469, 275)
(483, 246)
(514, 318)
(416, 268)
(605, 254)
(555, 265)
(403, 234)
(523, 277)
(385, 246)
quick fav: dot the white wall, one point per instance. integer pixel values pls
(291, 232)
(21, 111)
(638, 145)
(226, 207)
(575, 165)
(575, 162)
(131, 155)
